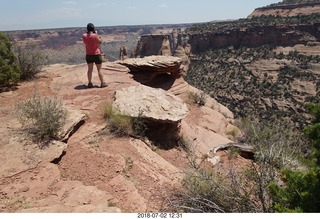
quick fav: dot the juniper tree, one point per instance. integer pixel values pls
(9, 69)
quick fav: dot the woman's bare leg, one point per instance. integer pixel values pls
(99, 66)
(89, 73)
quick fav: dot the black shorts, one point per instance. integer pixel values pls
(94, 59)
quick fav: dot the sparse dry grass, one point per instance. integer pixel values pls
(199, 99)
(123, 125)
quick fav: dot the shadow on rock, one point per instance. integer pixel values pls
(8, 88)
(84, 87)
(81, 87)
(164, 81)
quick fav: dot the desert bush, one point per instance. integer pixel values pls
(278, 147)
(139, 126)
(233, 132)
(43, 117)
(205, 192)
(276, 142)
(9, 68)
(120, 125)
(199, 99)
(203, 197)
(236, 189)
(31, 60)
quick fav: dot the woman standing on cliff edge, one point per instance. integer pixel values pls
(93, 54)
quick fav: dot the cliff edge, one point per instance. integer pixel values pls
(92, 170)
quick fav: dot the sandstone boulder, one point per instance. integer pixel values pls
(146, 69)
(160, 111)
(184, 53)
(75, 119)
(150, 103)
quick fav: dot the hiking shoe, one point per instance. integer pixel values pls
(90, 85)
(103, 84)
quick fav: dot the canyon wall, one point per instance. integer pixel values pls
(286, 10)
(253, 37)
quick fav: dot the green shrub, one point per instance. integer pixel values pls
(123, 125)
(120, 125)
(301, 192)
(42, 117)
(9, 69)
(139, 126)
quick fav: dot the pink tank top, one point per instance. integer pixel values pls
(92, 44)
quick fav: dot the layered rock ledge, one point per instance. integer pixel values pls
(160, 111)
(146, 69)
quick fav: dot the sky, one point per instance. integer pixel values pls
(46, 14)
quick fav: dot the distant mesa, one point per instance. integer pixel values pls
(286, 9)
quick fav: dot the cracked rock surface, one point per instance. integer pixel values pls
(88, 169)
